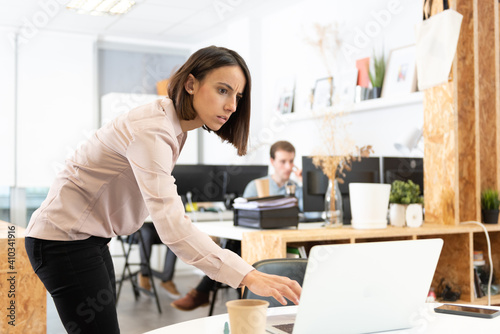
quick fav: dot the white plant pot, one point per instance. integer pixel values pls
(397, 214)
(414, 215)
(369, 204)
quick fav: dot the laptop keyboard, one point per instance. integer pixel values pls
(287, 328)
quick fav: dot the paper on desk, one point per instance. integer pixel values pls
(279, 203)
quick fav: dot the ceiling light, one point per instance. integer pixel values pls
(100, 7)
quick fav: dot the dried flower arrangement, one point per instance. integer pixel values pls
(328, 43)
(337, 151)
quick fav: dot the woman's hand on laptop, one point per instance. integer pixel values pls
(273, 286)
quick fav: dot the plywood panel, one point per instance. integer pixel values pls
(440, 161)
(497, 83)
(454, 265)
(486, 89)
(466, 115)
(20, 287)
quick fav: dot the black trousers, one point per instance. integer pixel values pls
(80, 277)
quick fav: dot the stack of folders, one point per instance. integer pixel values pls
(266, 212)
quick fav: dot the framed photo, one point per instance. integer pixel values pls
(346, 86)
(323, 93)
(400, 74)
(286, 103)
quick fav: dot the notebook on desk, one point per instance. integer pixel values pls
(364, 287)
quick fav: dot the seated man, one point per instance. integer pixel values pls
(282, 154)
(151, 237)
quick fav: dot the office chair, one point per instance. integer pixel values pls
(127, 273)
(292, 268)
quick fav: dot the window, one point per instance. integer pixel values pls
(5, 203)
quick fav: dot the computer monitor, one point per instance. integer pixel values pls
(315, 183)
(237, 177)
(366, 170)
(404, 169)
(203, 182)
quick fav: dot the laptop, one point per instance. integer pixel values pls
(364, 287)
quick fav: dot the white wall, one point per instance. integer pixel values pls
(56, 103)
(285, 56)
(242, 36)
(7, 108)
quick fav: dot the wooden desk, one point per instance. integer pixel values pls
(455, 264)
(22, 294)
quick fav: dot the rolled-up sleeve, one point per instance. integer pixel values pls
(150, 154)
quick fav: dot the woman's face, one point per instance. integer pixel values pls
(216, 97)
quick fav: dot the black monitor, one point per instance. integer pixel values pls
(366, 170)
(237, 177)
(203, 182)
(315, 183)
(404, 169)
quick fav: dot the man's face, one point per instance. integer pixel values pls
(283, 164)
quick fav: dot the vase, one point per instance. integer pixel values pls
(490, 216)
(375, 92)
(397, 214)
(369, 204)
(414, 215)
(333, 205)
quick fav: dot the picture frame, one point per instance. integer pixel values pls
(286, 103)
(323, 93)
(401, 72)
(345, 89)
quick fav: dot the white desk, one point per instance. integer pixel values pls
(427, 321)
(227, 230)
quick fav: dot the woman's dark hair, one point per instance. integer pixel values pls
(236, 129)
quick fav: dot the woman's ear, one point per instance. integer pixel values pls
(189, 85)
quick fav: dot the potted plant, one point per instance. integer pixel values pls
(405, 204)
(489, 206)
(377, 75)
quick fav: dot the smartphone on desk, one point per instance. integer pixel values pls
(470, 311)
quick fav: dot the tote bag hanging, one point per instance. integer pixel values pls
(437, 38)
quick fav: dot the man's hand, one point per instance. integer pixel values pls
(273, 286)
(298, 173)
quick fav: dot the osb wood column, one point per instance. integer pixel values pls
(23, 307)
(462, 120)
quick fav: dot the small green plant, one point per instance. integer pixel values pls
(405, 193)
(490, 200)
(377, 76)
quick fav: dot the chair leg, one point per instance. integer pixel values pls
(214, 297)
(150, 272)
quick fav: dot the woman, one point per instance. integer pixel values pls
(123, 173)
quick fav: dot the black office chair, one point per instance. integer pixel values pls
(131, 275)
(292, 268)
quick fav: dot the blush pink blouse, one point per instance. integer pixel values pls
(119, 177)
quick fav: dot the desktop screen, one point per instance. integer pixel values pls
(315, 183)
(238, 176)
(215, 183)
(202, 181)
(404, 169)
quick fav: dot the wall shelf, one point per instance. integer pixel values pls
(416, 98)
